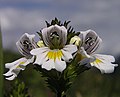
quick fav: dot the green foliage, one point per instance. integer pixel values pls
(18, 90)
(54, 79)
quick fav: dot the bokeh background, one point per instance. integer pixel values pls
(103, 16)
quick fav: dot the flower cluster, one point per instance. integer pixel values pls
(58, 48)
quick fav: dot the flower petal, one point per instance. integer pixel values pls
(67, 56)
(41, 58)
(63, 33)
(11, 78)
(103, 63)
(70, 48)
(38, 51)
(25, 44)
(90, 41)
(48, 65)
(9, 73)
(10, 65)
(60, 30)
(84, 53)
(108, 58)
(45, 36)
(104, 67)
(60, 65)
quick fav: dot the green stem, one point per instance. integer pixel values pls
(1, 65)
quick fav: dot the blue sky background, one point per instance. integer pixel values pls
(103, 16)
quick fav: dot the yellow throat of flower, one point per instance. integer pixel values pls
(97, 61)
(55, 54)
(21, 63)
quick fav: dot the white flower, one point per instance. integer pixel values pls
(90, 43)
(15, 67)
(25, 44)
(55, 53)
(103, 63)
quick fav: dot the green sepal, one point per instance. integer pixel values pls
(71, 33)
(58, 22)
(40, 34)
(65, 24)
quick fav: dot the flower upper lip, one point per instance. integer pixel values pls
(55, 36)
(25, 44)
(90, 41)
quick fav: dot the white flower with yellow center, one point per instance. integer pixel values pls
(25, 44)
(54, 53)
(89, 43)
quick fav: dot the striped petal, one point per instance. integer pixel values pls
(25, 44)
(90, 41)
(54, 30)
